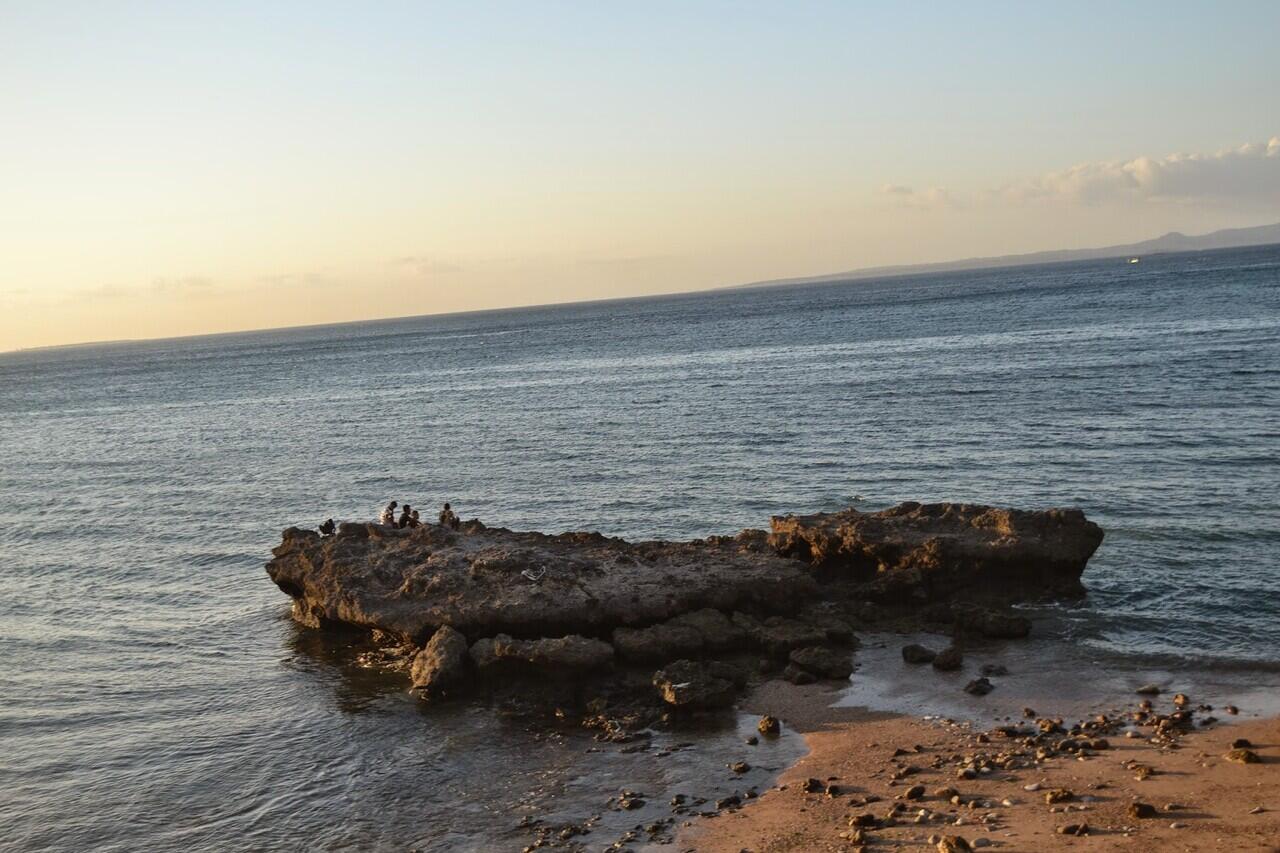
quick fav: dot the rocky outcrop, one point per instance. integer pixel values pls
(486, 581)
(577, 605)
(920, 551)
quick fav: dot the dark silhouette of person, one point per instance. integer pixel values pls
(389, 514)
(327, 528)
(413, 520)
(405, 515)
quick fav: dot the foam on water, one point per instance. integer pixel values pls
(152, 692)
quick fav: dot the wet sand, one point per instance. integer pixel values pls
(1202, 801)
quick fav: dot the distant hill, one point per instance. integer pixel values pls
(1228, 238)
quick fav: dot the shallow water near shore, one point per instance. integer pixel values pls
(154, 694)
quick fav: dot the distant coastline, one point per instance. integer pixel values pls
(1174, 241)
(1171, 243)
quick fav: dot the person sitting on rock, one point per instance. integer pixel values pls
(327, 528)
(389, 514)
(447, 518)
(405, 516)
(413, 520)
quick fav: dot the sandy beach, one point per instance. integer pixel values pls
(857, 788)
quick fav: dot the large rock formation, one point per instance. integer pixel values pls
(933, 550)
(502, 603)
(487, 581)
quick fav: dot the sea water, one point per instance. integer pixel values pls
(154, 694)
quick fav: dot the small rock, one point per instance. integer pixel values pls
(916, 653)
(1243, 756)
(1149, 690)
(915, 792)
(769, 725)
(1058, 795)
(1241, 743)
(813, 786)
(1074, 829)
(752, 740)
(1176, 825)
(979, 687)
(1257, 810)
(948, 660)
(954, 844)
(1142, 811)
(739, 767)
(1232, 710)
(1181, 700)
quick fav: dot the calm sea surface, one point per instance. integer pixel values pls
(154, 695)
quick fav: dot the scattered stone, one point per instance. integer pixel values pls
(1149, 690)
(798, 676)
(823, 661)
(948, 660)
(1232, 710)
(1241, 743)
(1077, 829)
(1181, 700)
(813, 786)
(915, 792)
(954, 844)
(1257, 810)
(1243, 756)
(769, 726)
(752, 740)
(1142, 811)
(1058, 795)
(739, 767)
(916, 653)
(979, 687)
(1176, 825)
(865, 820)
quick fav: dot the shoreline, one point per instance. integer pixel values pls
(872, 759)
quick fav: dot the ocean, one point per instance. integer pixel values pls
(154, 694)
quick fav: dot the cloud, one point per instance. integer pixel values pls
(425, 266)
(1247, 174)
(932, 197)
(1250, 172)
(185, 284)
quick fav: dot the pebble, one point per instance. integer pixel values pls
(1034, 786)
(1176, 825)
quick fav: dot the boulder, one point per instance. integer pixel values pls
(657, 643)
(693, 685)
(778, 635)
(914, 550)
(443, 661)
(823, 662)
(718, 631)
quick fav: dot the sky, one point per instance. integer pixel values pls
(178, 168)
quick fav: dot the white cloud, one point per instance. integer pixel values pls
(1248, 173)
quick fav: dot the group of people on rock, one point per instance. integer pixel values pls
(408, 518)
